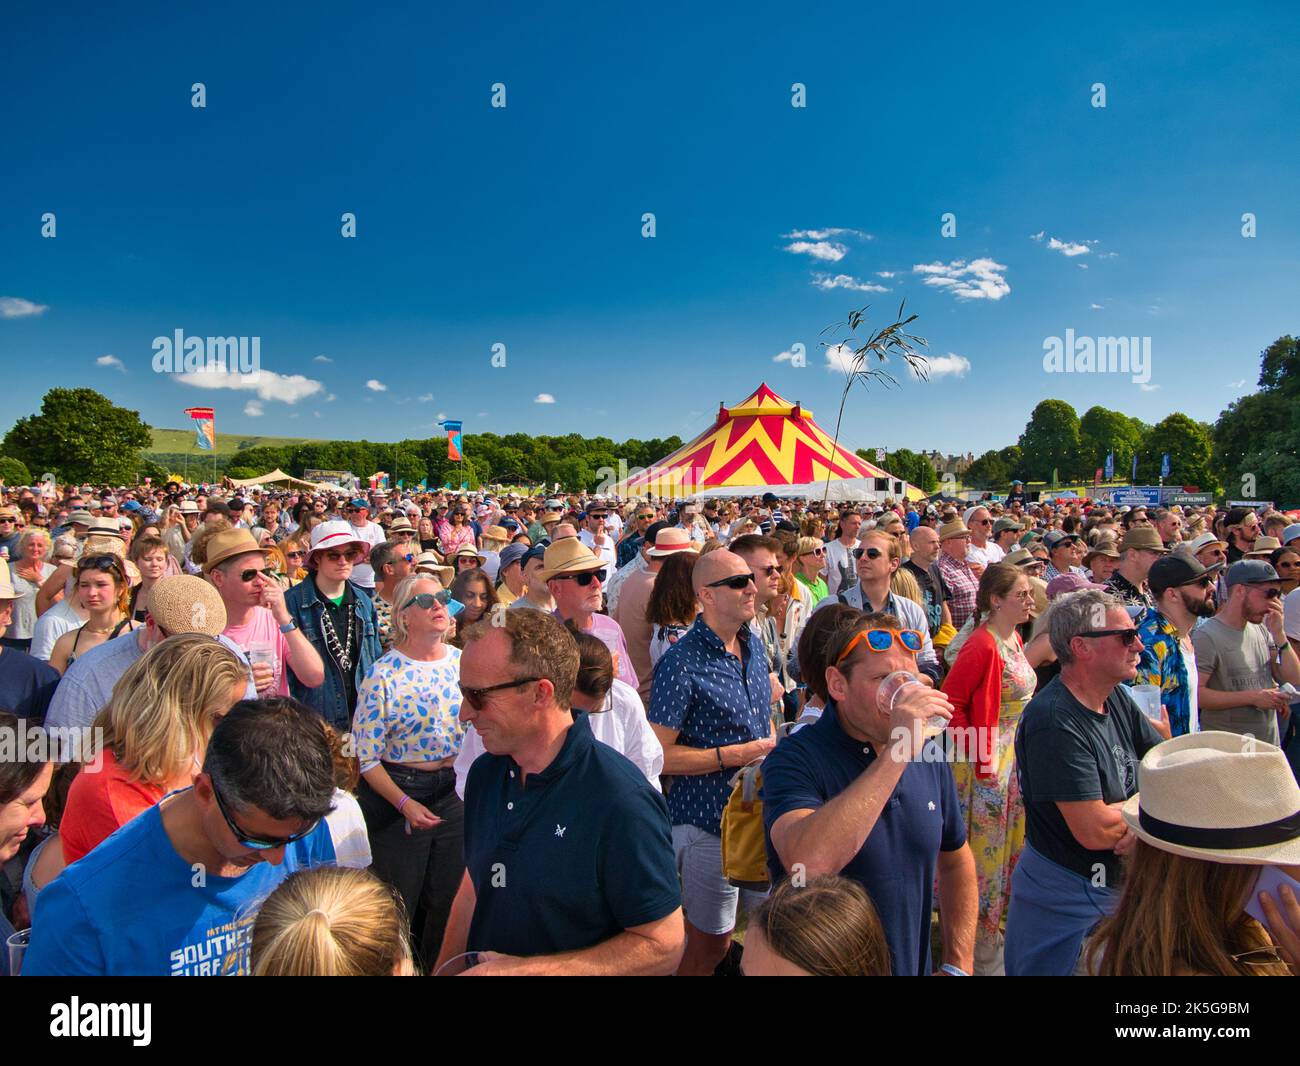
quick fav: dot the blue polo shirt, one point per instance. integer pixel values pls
(580, 853)
(712, 699)
(896, 864)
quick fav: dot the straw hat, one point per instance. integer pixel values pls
(7, 591)
(496, 533)
(1144, 538)
(1264, 547)
(569, 556)
(550, 517)
(105, 527)
(669, 541)
(401, 525)
(1219, 797)
(182, 603)
(955, 528)
(469, 553)
(1019, 557)
(189, 507)
(229, 543)
(431, 563)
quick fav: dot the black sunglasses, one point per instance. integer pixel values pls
(257, 843)
(870, 553)
(425, 600)
(738, 582)
(474, 696)
(250, 575)
(584, 579)
(1129, 636)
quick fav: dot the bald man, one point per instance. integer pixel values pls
(710, 708)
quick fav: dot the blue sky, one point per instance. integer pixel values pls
(522, 225)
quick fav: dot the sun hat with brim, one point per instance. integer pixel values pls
(401, 525)
(105, 527)
(496, 533)
(469, 553)
(189, 507)
(955, 528)
(1264, 547)
(1143, 538)
(550, 517)
(1032, 537)
(569, 556)
(444, 574)
(1020, 557)
(1205, 540)
(229, 543)
(1107, 549)
(7, 590)
(669, 541)
(183, 603)
(511, 554)
(1218, 797)
(335, 536)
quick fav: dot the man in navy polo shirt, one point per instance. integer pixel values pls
(857, 793)
(710, 708)
(568, 849)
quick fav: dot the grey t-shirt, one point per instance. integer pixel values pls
(1238, 660)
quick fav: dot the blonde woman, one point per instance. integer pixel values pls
(103, 592)
(331, 922)
(155, 731)
(29, 572)
(295, 549)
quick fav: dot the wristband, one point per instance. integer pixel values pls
(953, 971)
(721, 764)
(289, 626)
(405, 801)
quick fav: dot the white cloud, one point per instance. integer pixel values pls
(1148, 388)
(1082, 266)
(957, 366)
(544, 397)
(482, 414)
(17, 307)
(1237, 384)
(254, 409)
(885, 273)
(822, 234)
(322, 359)
(317, 414)
(980, 279)
(442, 417)
(1070, 248)
(376, 386)
(845, 281)
(330, 398)
(839, 357)
(110, 360)
(287, 388)
(1095, 307)
(1037, 236)
(827, 250)
(426, 398)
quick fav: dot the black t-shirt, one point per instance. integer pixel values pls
(932, 595)
(1066, 753)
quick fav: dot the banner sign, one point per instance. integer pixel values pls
(1139, 496)
(205, 434)
(454, 443)
(1192, 499)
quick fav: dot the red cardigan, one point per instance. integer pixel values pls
(974, 684)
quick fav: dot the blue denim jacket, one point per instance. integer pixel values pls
(329, 699)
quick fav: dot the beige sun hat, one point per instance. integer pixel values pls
(430, 563)
(1218, 796)
(955, 528)
(229, 543)
(669, 541)
(182, 603)
(570, 556)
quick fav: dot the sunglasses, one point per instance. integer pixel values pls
(256, 843)
(819, 552)
(294, 555)
(1272, 594)
(426, 600)
(100, 562)
(583, 579)
(341, 557)
(870, 553)
(739, 582)
(474, 696)
(883, 640)
(1128, 636)
(251, 575)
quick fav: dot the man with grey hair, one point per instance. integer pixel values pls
(1077, 752)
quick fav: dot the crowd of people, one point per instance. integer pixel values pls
(296, 733)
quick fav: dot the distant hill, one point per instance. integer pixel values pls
(181, 441)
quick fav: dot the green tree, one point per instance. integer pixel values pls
(1051, 441)
(1256, 440)
(1189, 447)
(14, 471)
(989, 471)
(80, 435)
(1100, 431)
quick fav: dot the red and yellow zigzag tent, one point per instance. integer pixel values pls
(764, 443)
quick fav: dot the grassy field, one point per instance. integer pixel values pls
(180, 441)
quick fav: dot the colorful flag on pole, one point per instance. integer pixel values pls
(205, 434)
(1110, 464)
(1164, 465)
(453, 441)
(1133, 478)
(1096, 480)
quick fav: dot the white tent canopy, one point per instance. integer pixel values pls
(276, 477)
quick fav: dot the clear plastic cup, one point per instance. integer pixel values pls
(887, 695)
(17, 947)
(1147, 697)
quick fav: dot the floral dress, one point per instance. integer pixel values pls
(995, 813)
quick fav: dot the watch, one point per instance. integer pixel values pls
(289, 626)
(953, 971)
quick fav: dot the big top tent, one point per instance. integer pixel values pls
(763, 444)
